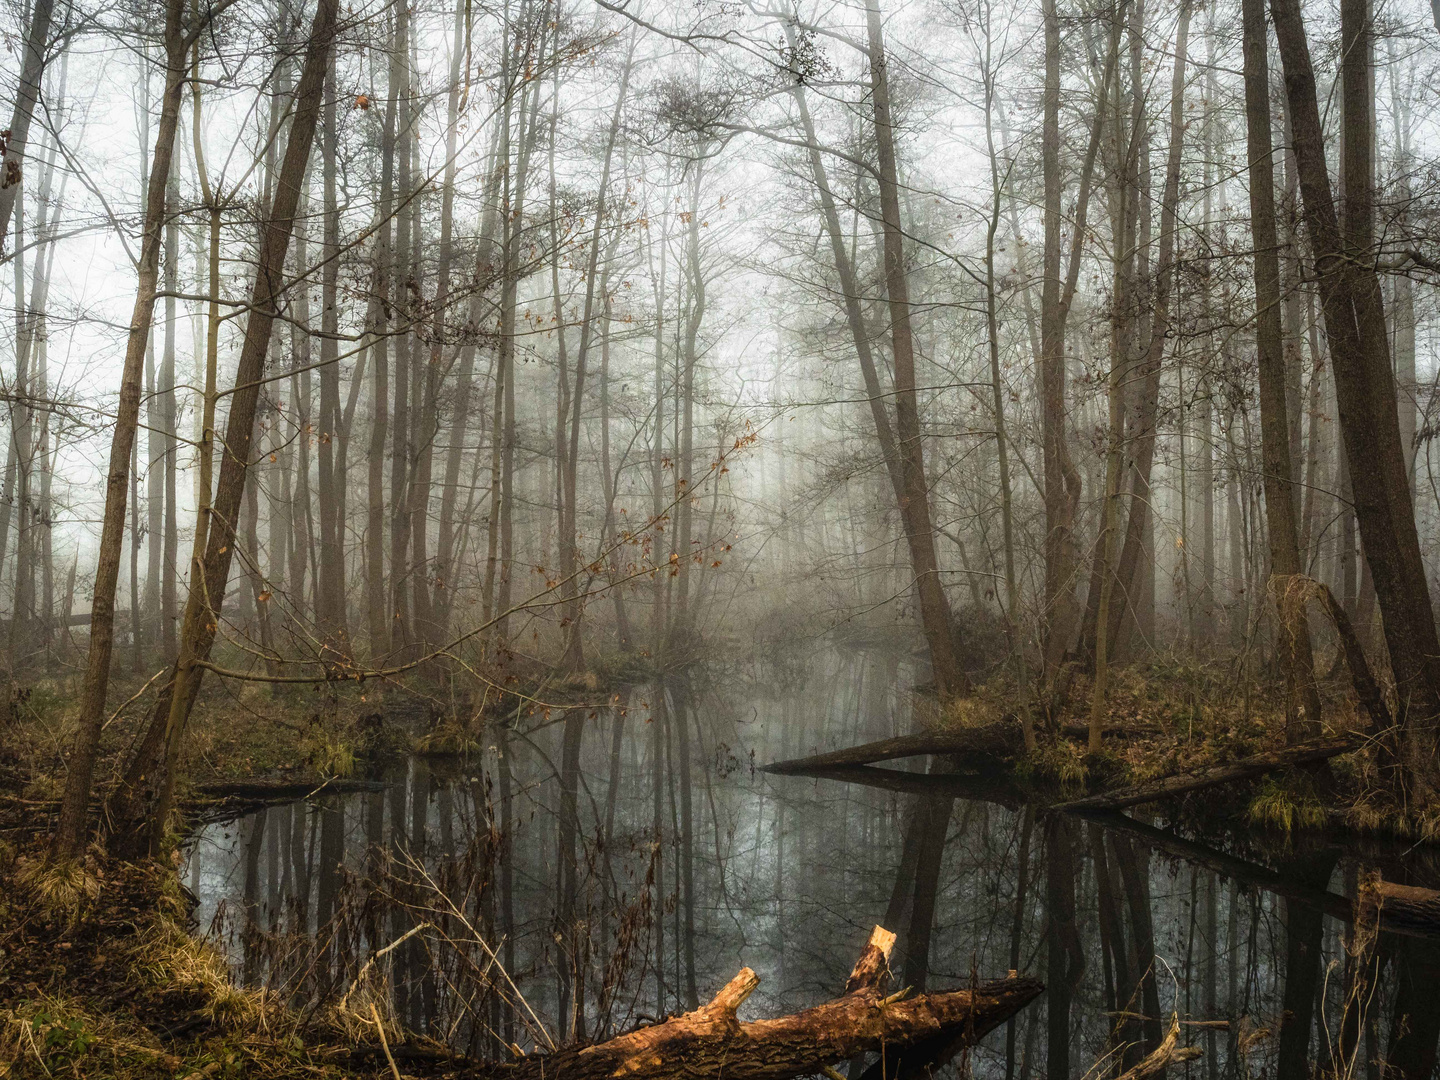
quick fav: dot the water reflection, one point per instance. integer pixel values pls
(600, 866)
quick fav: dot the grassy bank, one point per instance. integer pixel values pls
(1173, 716)
(99, 977)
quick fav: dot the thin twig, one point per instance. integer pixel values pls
(384, 1045)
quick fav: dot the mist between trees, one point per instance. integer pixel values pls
(472, 345)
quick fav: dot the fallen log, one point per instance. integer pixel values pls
(1408, 909)
(1166, 787)
(283, 790)
(981, 746)
(711, 1043)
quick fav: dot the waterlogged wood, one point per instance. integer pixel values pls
(712, 1042)
(983, 744)
(1166, 787)
(991, 742)
(1408, 909)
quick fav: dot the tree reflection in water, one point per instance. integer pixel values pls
(577, 879)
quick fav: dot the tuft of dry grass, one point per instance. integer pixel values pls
(1285, 803)
(61, 889)
(329, 753)
(170, 956)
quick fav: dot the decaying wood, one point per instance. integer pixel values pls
(1408, 909)
(712, 1042)
(1167, 1053)
(1245, 769)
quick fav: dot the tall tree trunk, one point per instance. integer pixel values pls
(950, 678)
(1365, 388)
(332, 616)
(70, 830)
(1062, 479)
(1302, 712)
(32, 72)
(1146, 374)
(376, 601)
(141, 813)
(406, 214)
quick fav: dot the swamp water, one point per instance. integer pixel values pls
(531, 929)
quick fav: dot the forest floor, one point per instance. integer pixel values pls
(99, 977)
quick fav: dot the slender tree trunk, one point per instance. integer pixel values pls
(1303, 707)
(950, 678)
(331, 615)
(70, 830)
(377, 606)
(32, 72)
(1144, 417)
(405, 290)
(147, 796)
(1062, 478)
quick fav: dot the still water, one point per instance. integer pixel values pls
(528, 908)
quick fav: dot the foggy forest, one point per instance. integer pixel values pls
(720, 539)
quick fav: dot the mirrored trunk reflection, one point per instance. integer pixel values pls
(597, 866)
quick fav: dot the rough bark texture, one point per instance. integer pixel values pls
(914, 1033)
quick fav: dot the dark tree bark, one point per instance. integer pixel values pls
(32, 72)
(950, 678)
(1302, 714)
(1365, 389)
